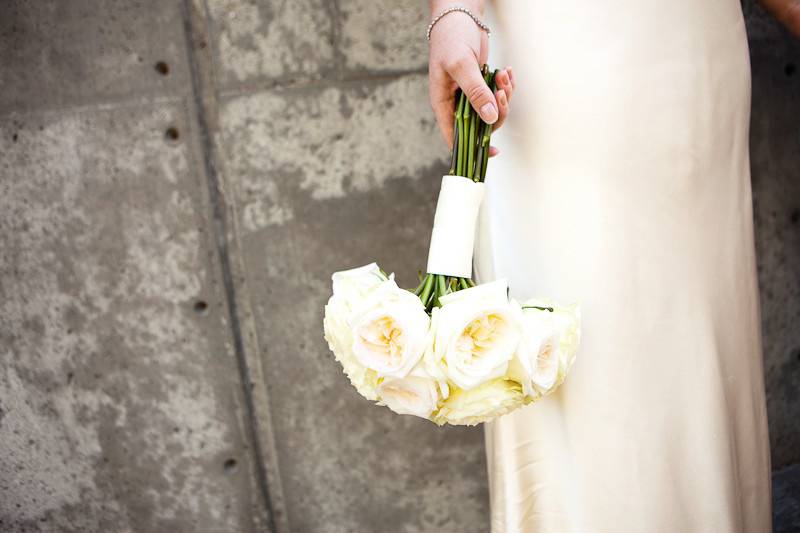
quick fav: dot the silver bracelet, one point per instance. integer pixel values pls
(462, 9)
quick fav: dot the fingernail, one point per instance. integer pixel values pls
(489, 113)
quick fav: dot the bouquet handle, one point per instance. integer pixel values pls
(453, 235)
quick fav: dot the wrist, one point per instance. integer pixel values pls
(476, 6)
(457, 8)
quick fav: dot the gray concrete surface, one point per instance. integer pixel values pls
(120, 396)
(166, 240)
(775, 164)
(121, 406)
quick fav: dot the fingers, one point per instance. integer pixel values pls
(505, 88)
(443, 104)
(503, 81)
(467, 74)
(502, 104)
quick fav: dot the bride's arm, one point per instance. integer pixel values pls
(786, 11)
(458, 48)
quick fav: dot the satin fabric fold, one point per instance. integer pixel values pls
(623, 183)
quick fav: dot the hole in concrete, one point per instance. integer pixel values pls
(172, 133)
(162, 68)
(795, 216)
(14, 137)
(790, 69)
(230, 466)
(201, 307)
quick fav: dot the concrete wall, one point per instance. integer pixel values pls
(178, 179)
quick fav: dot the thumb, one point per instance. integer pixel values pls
(467, 75)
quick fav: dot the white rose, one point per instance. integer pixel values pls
(390, 329)
(350, 287)
(340, 341)
(548, 347)
(476, 334)
(355, 284)
(416, 394)
(483, 403)
(429, 360)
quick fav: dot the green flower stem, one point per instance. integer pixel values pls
(453, 158)
(537, 307)
(462, 142)
(471, 143)
(492, 82)
(441, 289)
(427, 288)
(428, 303)
(418, 290)
(458, 132)
(480, 154)
(485, 145)
(463, 145)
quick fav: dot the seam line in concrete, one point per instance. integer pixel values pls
(220, 234)
(317, 83)
(123, 102)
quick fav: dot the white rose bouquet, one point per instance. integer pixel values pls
(449, 350)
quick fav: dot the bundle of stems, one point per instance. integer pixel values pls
(471, 136)
(469, 158)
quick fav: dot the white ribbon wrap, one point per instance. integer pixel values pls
(453, 235)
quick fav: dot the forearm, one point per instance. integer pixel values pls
(476, 6)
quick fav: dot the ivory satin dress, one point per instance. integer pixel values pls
(623, 182)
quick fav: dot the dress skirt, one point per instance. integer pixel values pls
(623, 183)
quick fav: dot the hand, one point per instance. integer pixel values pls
(458, 48)
(787, 12)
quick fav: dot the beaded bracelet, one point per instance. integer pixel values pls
(462, 9)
